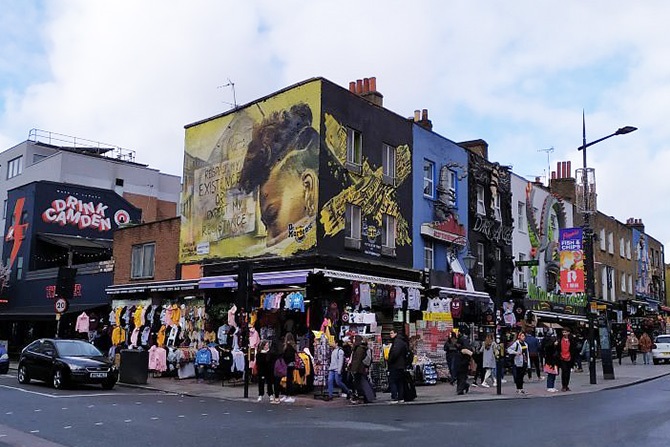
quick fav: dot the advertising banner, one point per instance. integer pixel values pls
(572, 260)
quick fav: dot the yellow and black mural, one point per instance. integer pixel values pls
(366, 190)
(251, 179)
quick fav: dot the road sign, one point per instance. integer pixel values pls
(527, 263)
(60, 305)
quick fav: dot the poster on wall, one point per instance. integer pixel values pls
(642, 265)
(572, 260)
(251, 179)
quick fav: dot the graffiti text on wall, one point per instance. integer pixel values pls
(72, 211)
(493, 230)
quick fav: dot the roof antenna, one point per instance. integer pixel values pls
(230, 84)
(548, 151)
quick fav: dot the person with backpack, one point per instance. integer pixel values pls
(335, 371)
(519, 349)
(361, 360)
(396, 365)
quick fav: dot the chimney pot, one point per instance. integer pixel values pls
(553, 175)
(359, 86)
(373, 84)
(569, 173)
(558, 169)
(424, 114)
(417, 116)
(352, 86)
(366, 85)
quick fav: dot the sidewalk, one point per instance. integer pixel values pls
(625, 375)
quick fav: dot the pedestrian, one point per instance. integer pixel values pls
(619, 344)
(451, 353)
(488, 351)
(578, 358)
(264, 371)
(567, 353)
(335, 371)
(477, 356)
(288, 356)
(534, 356)
(462, 363)
(644, 346)
(396, 366)
(519, 349)
(632, 345)
(549, 348)
(358, 368)
(585, 352)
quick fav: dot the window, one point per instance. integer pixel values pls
(627, 249)
(610, 243)
(496, 207)
(481, 208)
(38, 157)
(447, 186)
(428, 255)
(521, 271)
(603, 281)
(388, 164)
(630, 284)
(142, 262)
(19, 267)
(388, 235)
(480, 259)
(4, 210)
(623, 282)
(15, 167)
(428, 178)
(354, 147)
(520, 216)
(352, 234)
(622, 248)
(602, 239)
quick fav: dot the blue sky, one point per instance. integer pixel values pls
(516, 74)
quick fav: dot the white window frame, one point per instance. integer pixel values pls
(452, 179)
(628, 249)
(610, 243)
(354, 147)
(623, 282)
(388, 231)
(429, 255)
(143, 263)
(15, 167)
(630, 284)
(521, 216)
(603, 280)
(521, 271)
(389, 168)
(496, 208)
(622, 248)
(353, 222)
(480, 259)
(428, 179)
(603, 241)
(481, 206)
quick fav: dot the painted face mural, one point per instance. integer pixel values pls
(366, 190)
(250, 181)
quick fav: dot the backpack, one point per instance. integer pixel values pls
(367, 360)
(409, 357)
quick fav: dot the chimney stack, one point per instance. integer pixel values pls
(562, 183)
(367, 88)
(421, 118)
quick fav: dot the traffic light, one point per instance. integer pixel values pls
(65, 282)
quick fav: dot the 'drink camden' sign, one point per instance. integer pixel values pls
(78, 213)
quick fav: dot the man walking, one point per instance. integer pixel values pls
(534, 354)
(396, 365)
(567, 353)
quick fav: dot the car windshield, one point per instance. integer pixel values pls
(77, 349)
(663, 339)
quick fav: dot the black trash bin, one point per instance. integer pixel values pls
(134, 366)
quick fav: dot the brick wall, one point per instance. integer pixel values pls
(164, 233)
(152, 208)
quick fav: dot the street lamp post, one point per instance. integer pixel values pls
(588, 208)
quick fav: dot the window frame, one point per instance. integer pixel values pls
(520, 216)
(430, 180)
(480, 260)
(610, 243)
(481, 205)
(353, 232)
(388, 234)
(603, 241)
(389, 164)
(521, 272)
(15, 167)
(428, 254)
(138, 254)
(354, 149)
(497, 214)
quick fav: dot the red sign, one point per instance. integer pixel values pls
(448, 230)
(51, 291)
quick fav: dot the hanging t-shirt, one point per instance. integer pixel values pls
(456, 308)
(365, 299)
(399, 298)
(413, 299)
(355, 293)
(434, 305)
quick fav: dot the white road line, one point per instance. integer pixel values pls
(203, 414)
(34, 431)
(226, 412)
(181, 416)
(98, 423)
(10, 412)
(67, 427)
(37, 410)
(2, 436)
(70, 396)
(128, 420)
(154, 418)
(249, 411)
(91, 406)
(64, 408)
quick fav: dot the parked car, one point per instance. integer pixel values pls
(4, 360)
(661, 353)
(63, 362)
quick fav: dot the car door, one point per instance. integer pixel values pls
(44, 359)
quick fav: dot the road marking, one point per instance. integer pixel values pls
(91, 406)
(249, 411)
(67, 427)
(98, 423)
(37, 410)
(226, 412)
(34, 431)
(70, 396)
(203, 414)
(138, 403)
(181, 416)
(128, 420)
(10, 412)
(114, 405)
(159, 401)
(2, 436)
(64, 408)
(154, 418)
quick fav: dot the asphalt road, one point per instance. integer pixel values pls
(35, 415)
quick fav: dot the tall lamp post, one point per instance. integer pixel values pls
(589, 207)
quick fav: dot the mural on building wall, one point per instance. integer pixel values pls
(643, 266)
(251, 180)
(366, 190)
(543, 235)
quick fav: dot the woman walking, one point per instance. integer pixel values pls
(632, 345)
(488, 351)
(519, 349)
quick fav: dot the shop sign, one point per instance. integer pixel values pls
(448, 230)
(572, 260)
(437, 316)
(371, 239)
(50, 291)
(76, 212)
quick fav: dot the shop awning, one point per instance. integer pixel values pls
(559, 316)
(282, 278)
(550, 325)
(368, 278)
(153, 286)
(218, 282)
(473, 294)
(70, 241)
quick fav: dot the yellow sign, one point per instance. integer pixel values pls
(437, 316)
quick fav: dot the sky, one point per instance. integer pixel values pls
(517, 74)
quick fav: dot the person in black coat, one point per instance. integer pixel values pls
(396, 365)
(265, 370)
(462, 363)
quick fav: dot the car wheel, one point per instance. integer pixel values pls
(655, 361)
(59, 379)
(108, 385)
(22, 375)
